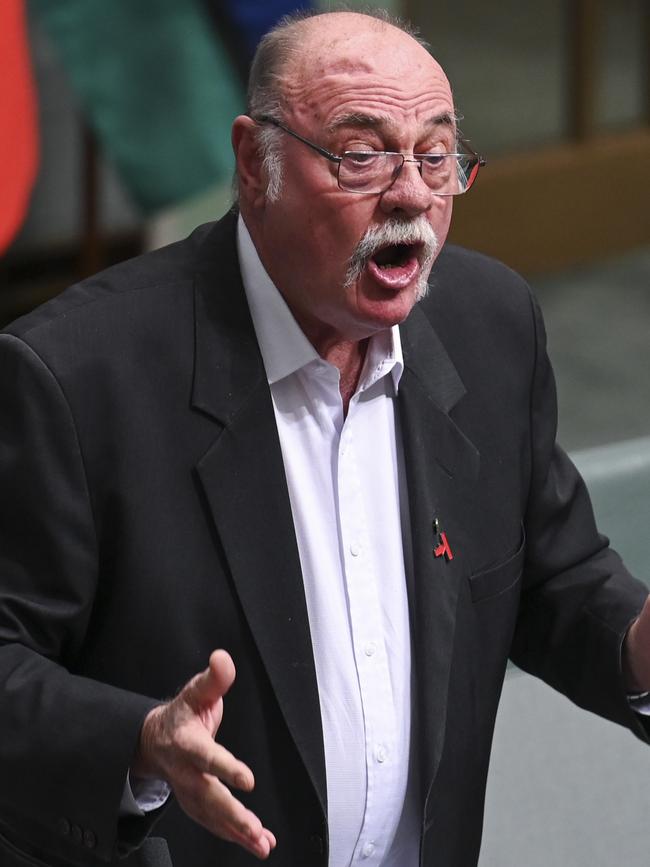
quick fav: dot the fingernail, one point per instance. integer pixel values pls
(243, 781)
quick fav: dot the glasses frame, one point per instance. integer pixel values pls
(406, 158)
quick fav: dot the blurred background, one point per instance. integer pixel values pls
(114, 137)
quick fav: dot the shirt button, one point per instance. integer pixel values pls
(368, 850)
(381, 753)
(370, 648)
(355, 549)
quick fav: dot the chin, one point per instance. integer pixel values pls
(380, 315)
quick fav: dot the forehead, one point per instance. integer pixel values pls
(365, 68)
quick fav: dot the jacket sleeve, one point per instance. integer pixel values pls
(578, 599)
(66, 741)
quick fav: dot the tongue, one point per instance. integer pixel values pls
(396, 277)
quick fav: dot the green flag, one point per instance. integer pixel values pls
(156, 87)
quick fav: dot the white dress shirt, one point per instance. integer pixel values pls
(343, 476)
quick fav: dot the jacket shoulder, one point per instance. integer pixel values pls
(138, 284)
(457, 267)
(471, 291)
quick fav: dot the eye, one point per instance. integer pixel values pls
(361, 158)
(363, 162)
(432, 161)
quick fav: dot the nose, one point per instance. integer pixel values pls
(408, 194)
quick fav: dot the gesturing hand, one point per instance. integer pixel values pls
(636, 652)
(177, 745)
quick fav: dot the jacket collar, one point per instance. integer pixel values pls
(243, 467)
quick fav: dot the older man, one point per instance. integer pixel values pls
(257, 440)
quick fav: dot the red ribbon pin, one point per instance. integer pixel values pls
(442, 549)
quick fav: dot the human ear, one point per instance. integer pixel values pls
(252, 184)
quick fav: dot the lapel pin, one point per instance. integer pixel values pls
(442, 549)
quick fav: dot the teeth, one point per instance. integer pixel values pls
(395, 256)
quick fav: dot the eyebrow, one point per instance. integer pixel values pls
(359, 120)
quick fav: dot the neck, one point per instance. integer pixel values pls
(348, 356)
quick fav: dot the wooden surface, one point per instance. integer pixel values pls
(562, 205)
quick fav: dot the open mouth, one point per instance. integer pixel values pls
(395, 255)
(395, 266)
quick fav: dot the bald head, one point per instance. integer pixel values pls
(299, 46)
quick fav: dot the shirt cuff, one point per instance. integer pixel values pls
(142, 796)
(640, 703)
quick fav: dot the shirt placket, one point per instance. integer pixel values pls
(362, 576)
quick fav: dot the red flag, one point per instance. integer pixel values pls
(18, 124)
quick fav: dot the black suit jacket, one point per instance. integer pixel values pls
(145, 520)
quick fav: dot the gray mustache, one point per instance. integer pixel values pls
(393, 231)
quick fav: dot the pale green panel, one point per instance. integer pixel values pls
(621, 95)
(506, 63)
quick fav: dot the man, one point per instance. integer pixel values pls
(357, 496)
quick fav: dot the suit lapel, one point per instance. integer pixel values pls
(243, 478)
(244, 466)
(441, 468)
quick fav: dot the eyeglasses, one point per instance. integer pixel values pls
(372, 172)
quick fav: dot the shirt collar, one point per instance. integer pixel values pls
(283, 345)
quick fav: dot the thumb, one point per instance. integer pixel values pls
(208, 687)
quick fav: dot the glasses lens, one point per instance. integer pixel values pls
(368, 172)
(449, 174)
(467, 171)
(438, 173)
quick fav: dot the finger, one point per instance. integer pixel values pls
(223, 669)
(211, 684)
(212, 758)
(268, 844)
(261, 847)
(260, 844)
(213, 805)
(264, 844)
(270, 836)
